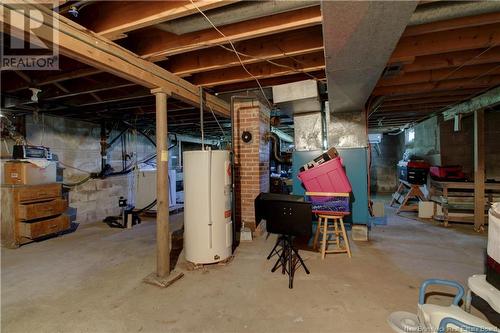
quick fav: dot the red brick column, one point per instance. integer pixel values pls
(251, 159)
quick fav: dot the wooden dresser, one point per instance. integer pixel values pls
(30, 212)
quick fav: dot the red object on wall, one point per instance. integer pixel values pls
(327, 177)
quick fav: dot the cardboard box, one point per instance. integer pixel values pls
(25, 173)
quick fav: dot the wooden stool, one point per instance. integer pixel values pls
(331, 225)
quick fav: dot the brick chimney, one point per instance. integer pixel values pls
(251, 158)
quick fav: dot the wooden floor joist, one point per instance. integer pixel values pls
(305, 63)
(436, 94)
(155, 44)
(440, 75)
(117, 18)
(423, 101)
(288, 44)
(454, 59)
(60, 77)
(448, 41)
(78, 43)
(482, 82)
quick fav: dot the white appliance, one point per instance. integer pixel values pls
(145, 188)
(207, 206)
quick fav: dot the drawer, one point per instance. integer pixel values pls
(39, 192)
(30, 211)
(43, 228)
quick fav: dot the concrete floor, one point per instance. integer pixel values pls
(90, 281)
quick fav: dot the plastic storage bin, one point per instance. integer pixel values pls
(327, 177)
(337, 205)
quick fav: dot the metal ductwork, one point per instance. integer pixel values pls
(301, 100)
(359, 39)
(440, 11)
(238, 12)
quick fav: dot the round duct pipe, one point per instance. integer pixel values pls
(445, 11)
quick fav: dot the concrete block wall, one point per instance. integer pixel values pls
(457, 148)
(437, 142)
(98, 198)
(492, 145)
(251, 159)
(77, 144)
(426, 143)
(384, 158)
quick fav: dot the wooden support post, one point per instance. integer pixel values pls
(162, 214)
(479, 175)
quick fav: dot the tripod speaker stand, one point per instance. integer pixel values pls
(287, 216)
(289, 258)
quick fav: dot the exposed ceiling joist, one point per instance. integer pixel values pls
(155, 44)
(419, 101)
(454, 59)
(89, 90)
(305, 63)
(115, 18)
(288, 44)
(119, 98)
(427, 95)
(449, 41)
(59, 78)
(78, 43)
(483, 82)
(440, 74)
(417, 108)
(251, 84)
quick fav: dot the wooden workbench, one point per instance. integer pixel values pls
(457, 200)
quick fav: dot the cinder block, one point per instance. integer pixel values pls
(84, 207)
(359, 232)
(103, 184)
(75, 196)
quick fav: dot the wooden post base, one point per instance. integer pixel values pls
(165, 282)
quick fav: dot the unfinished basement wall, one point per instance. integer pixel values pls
(77, 145)
(425, 144)
(492, 145)
(457, 148)
(437, 142)
(426, 141)
(384, 158)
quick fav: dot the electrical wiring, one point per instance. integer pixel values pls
(80, 182)
(467, 62)
(273, 62)
(474, 94)
(97, 46)
(72, 167)
(233, 50)
(221, 129)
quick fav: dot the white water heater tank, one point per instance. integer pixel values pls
(207, 206)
